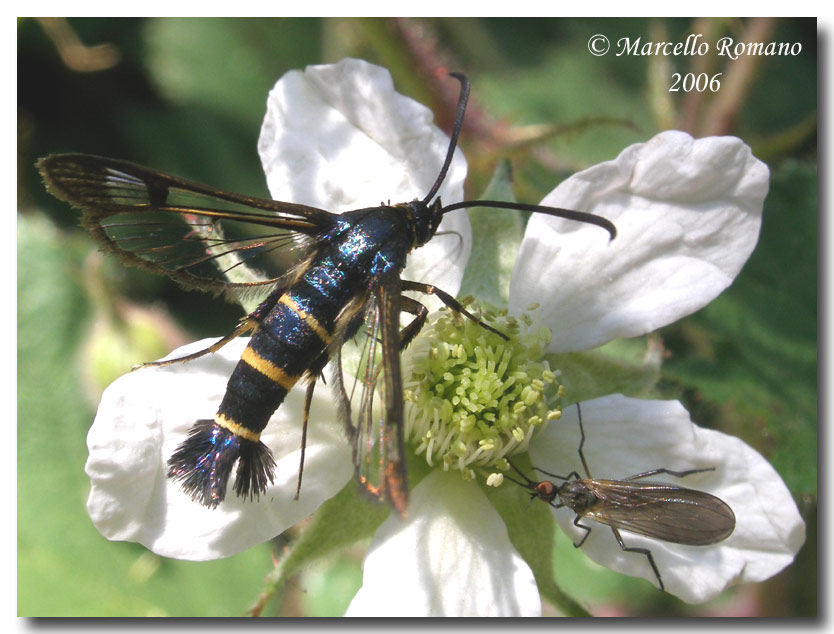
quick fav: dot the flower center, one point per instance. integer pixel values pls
(472, 397)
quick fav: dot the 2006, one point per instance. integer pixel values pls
(699, 82)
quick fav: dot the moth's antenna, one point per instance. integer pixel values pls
(579, 216)
(464, 97)
(570, 214)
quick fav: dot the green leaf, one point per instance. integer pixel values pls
(65, 567)
(224, 63)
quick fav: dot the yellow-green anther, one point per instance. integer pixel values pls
(495, 479)
(474, 397)
(531, 396)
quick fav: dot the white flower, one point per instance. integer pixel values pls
(688, 212)
(451, 557)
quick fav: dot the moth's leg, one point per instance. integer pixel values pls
(247, 324)
(314, 373)
(413, 307)
(347, 326)
(450, 301)
(642, 551)
(308, 400)
(243, 327)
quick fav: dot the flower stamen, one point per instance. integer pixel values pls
(472, 397)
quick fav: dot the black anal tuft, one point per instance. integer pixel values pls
(204, 461)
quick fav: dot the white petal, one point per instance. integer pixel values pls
(451, 557)
(625, 436)
(142, 418)
(339, 137)
(687, 213)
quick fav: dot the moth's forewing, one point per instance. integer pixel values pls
(198, 235)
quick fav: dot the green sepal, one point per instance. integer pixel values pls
(343, 520)
(496, 239)
(624, 366)
(531, 529)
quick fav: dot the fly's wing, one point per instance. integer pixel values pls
(376, 397)
(662, 511)
(198, 235)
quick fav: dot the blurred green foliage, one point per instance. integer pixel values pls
(187, 96)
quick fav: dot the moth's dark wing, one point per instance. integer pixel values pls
(392, 428)
(662, 511)
(198, 235)
(376, 398)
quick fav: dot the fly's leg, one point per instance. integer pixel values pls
(582, 443)
(642, 551)
(677, 474)
(587, 530)
(314, 373)
(645, 474)
(572, 474)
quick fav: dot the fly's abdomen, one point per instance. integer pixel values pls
(290, 341)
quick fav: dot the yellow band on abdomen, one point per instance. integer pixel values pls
(311, 321)
(236, 428)
(268, 369)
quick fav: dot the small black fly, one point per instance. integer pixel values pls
(344, 274)
(662, 511)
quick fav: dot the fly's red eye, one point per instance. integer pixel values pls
(546, 490)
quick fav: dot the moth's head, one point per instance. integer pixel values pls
(425, 219)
